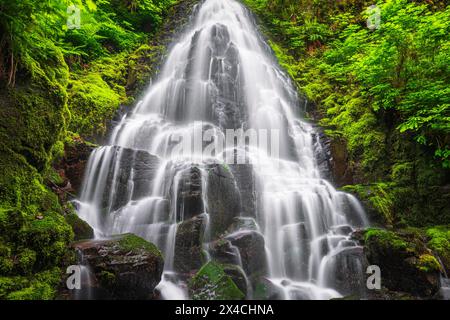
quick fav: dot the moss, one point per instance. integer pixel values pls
(26, 260)
(129, 242)
(428, 263)
(212, 283)
(40, 286)
(81, 229)
(107, 278)
(439, 242)
(92, 103)
(387, 239)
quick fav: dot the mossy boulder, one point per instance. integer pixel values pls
(212, 283)
(81, 229)
(405, 262)
(123, 267)
(439, 241)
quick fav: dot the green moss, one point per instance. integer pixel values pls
(81, 229)
(428, 263)
(26, 260)
(387, 239)
(107, 278)
(40, 286)
(212, 283)
(92, 103)
(439, 242)
(130, 242)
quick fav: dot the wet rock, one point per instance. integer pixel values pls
(342, 230)
(237, 275)
(223, 199)
(266, 290)
(296, 250)
(251, 249)
(124, 267)
(245, 180)
(190, 200)
(322, 153)
(212, 283)
(81, 229)
(136, 170)
(346, 271)
(188, 244)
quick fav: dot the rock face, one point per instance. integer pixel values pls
(124, 267)
(71, 168)
(190, 201)
(245, 180)
(406, 264)
(136, 171)
(224, 202)
(188, 244)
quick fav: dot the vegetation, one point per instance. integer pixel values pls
(59, 81)
(383, 91)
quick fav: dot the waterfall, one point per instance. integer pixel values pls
(221, 75)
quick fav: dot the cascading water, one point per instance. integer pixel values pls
(222, 75)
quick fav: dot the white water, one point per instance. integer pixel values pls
(221, 72)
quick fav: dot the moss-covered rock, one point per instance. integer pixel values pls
(81, 229)
(212, 283)
(439, 241)
(406, 264)
(123, 267)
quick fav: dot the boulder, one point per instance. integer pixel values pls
(212, 283)
(223, 198)
(188, 244)
(244, 246)
(189, 194)
(346, 271)
(123, 267)
(406, 264)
